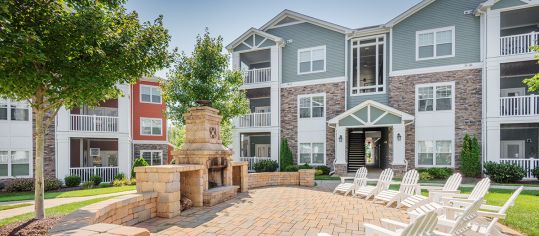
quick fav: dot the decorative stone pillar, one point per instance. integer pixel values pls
(306, 177)
(165, 181)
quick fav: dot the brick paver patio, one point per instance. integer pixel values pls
(278, 211)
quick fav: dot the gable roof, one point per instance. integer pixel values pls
(301, 17)
(390, 110)
(409, 12)
(250, 32)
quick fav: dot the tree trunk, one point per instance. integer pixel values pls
(38, 175)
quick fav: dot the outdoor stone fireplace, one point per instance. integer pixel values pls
(203, 146)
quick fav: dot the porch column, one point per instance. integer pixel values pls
(398, 144)
(275, 144)
(274, 89)
(63, 156)
(124, 156)
(124, 111)
(340, 145)
(492, 142)
(493, 33)
(236, 145)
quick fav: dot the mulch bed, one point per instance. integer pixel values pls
(30, 227)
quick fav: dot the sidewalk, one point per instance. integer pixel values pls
(51, 203)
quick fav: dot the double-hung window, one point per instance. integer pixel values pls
(149, 126)
(311, 106)
(435, 43)
(3, 110)
(311, 153)
(14, 163)
(16, 111)
(153, 157)
(312, 60)
(434, 153)
(368, 61)
(150, 94)
(435, 98)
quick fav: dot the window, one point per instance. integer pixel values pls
(435, 43)
(3, 111)
(311, 106)
(312, 60)
(368, 60)
(434, 153)
(16, 164)
(16, 111)
(311, 153)
(150, 126)
(153, 157)
(435, 98)
(150, 94)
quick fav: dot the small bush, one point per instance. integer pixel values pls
(120, 182)
(292, 168)
(504, 173)
(266, 166)
(120, 176)
(470, 156)
(104, 185)
(535, 172)
(72, 181)
(424, 175)
(325, 170)
(440, 173)
(133, 181)
(52, 184)
(96, 180)
(318, 172)
(88, 185)
(138, 162)
(285, 155)
(20, 185)
(305, 166)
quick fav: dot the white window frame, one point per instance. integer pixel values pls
(311, 154)
(151, 156)
(9, 164)
(311, 60)
(310, 96)
(8, 104)
(357, 47)
(151, 94)
(434, 153)
(434, 31)
(151, 119)
(434, 85)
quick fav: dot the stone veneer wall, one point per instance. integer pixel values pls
(162, 147)
(49, 164)
(335, 97)
(302, 178)
(467, 104)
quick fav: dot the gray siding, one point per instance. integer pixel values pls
(507, 3)
(441, 13)
(306, 35)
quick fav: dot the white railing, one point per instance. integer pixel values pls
(518, 44)
(252, 161)
(527, 164)
(519, 105)
(106, 173)
(92, 123)
(257, 75)
(254, 120)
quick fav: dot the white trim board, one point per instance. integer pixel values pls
(426, 70)
(314, 82)
(309, 19)
(150, 142)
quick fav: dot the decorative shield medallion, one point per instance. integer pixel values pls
(213, 132)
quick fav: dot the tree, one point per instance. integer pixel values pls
(72, 53)
(533, 82)
(285, 155)
(176, 135)
(205, 76)
(470, 156)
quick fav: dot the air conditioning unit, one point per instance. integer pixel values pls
(94, 152)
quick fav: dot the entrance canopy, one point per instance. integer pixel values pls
(371, 114)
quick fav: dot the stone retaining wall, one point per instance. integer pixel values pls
(301, 178)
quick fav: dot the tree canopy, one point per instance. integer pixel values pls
(533, 82)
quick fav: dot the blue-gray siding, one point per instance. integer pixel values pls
(306, 35)
(507, 3)
(441, 13)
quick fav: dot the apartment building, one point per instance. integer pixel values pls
(399, 95)
(86, 141)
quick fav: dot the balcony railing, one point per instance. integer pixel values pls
(527, 164)
(257, 75)
(518, 44)
(519, 105)
(92, 123)
(85, 173)
(252, 161)
(254, 120)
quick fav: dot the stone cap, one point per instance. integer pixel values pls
(240, 163)
(168, 168)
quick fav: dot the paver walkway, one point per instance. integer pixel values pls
(52, 203)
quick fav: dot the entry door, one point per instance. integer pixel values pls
(262, 150)
(513, 149)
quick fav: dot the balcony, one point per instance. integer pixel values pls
(518, 44)
(255, 76)
(253, 120)
(94, 123)
(519, 106)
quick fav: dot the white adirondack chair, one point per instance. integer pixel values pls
(359, 180)
(458, 220)
(424, 225)
(408, 187)
(486, 224)
(383, 183)
(435, 193)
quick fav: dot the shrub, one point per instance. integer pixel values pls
(96, 179)
(52, 184)
(88, 185)
(138, 162)
(291, 168)
(285, 155)
(440, 173)
(504, 173)
(120, 176)
(424, 175)
(104, 185)
(470, 155)
(20, 185)
(325, 170)
(133, 181)
(266, 166)
(119, 182)
(304, 166)
(72, 181)
(318, 172)
(535, 172)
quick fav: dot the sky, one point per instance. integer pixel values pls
(231, 18)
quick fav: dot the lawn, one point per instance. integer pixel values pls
(54, 211)
(14, 206)
(326, 177)
(6, 197)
